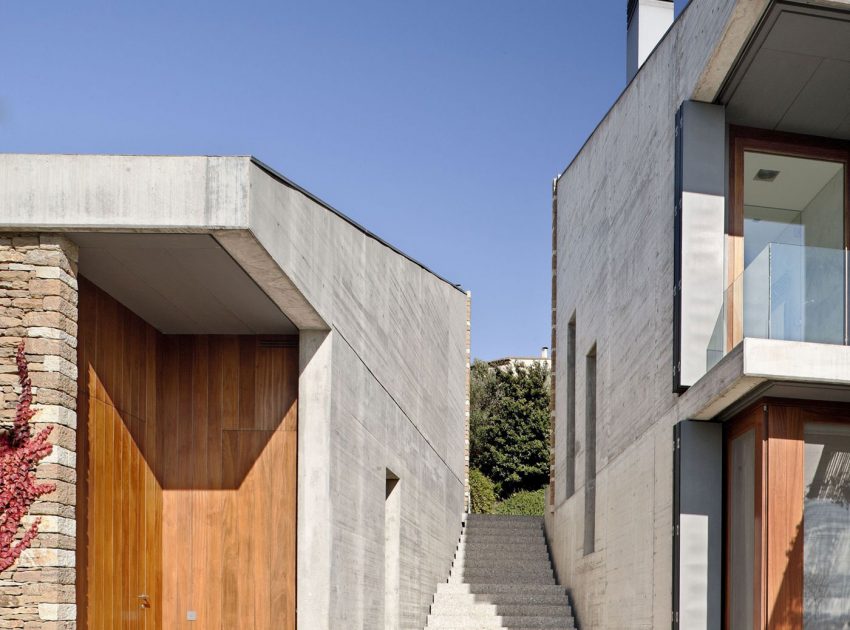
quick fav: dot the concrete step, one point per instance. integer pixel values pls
(510, 524)
(490, 579)
(503, 599)
(498, 621)
(497, 547)
(494, 559)
(502, 518)
(503, 538)
(501, 577)
(504, 610)
(506, 568)
(496, 523)
(477, 559)
(534, 534)
(504, 574)
(486, 589)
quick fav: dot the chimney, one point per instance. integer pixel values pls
(647, 21)
(544, 352)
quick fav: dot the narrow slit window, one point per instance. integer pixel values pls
(590, 454)
(570, 486)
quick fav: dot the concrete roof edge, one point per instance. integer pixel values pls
(289, 183)
(676, 24)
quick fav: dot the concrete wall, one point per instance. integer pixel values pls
(615, 244)
(383, 357)
(397, 372)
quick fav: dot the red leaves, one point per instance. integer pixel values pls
(20, 453)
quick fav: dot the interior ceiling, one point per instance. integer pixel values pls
(798, 183)
(179, 283)
(795, 75)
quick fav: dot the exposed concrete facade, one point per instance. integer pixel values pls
(383, 347)
(613, 259)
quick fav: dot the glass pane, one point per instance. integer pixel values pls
(826, 528)
(742, 530)
(793, 248)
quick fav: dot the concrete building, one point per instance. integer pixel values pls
(701, 425)
(259, 406)
(504, 362)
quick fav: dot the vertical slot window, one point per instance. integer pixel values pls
(571, 408)
(590, 454)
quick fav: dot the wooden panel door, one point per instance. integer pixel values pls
(187, 491)
(119, 499)
(228, 472)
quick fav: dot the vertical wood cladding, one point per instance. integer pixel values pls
(189, 445)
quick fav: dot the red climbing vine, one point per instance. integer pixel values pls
(20, 454)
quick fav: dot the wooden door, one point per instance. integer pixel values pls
(119, 554)
(187, 450)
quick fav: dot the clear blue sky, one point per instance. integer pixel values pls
(438, 124)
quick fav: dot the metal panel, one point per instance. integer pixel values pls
(699, 239)
(698, 526)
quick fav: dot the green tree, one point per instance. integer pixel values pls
(509, 425)
(481, 494)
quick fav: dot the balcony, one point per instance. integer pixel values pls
(789, 293)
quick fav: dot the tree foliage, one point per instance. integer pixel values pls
(481, 495)
(20, 453)
(509, 425)
(523, 503)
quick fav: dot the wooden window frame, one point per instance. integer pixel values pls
(742, 139)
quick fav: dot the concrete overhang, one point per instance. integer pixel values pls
(768, 367)
(99, 200)
(774, 61)
(277, 233)
(179, 283)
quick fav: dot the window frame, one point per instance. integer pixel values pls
(742, 139)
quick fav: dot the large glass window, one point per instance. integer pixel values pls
(826, 527)
(794, 267)
(742, 530)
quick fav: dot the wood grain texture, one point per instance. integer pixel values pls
(189, 445)
(784, 543)
(117, 500)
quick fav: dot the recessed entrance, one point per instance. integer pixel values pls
(187, 485)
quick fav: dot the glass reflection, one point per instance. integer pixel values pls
(826, 533)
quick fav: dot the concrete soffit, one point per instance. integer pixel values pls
(740, 27)
(247, 251)
(768, 367)
(741, 30)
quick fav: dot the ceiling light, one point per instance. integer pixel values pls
(765, 175)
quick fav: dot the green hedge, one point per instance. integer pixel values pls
(524, 503)
(481, 494)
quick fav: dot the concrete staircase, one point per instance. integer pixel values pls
(501, 578)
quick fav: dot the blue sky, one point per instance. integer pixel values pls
(438, 125)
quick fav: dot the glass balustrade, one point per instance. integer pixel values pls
(787, 292)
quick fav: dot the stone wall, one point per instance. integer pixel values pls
(38, 303)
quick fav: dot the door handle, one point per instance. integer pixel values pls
(145, 601)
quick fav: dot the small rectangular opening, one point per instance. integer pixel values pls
(590, 453)
(570, 486)
(392, 543)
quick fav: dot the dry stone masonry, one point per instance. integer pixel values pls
(38, 303)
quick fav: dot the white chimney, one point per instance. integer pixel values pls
(544, 352)
(647, 21)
